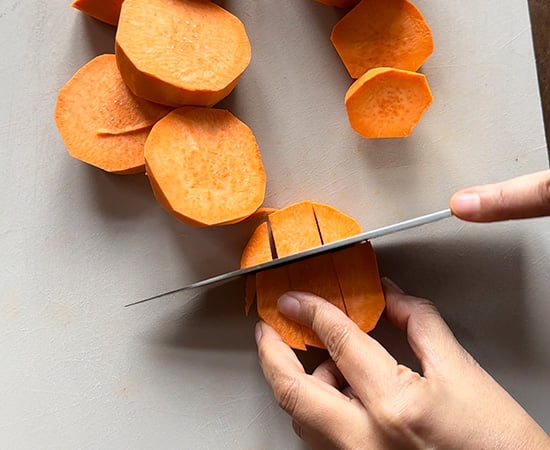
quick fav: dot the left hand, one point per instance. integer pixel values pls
(362, 398)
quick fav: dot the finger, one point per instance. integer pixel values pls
(362, 361)
(430, 338)
(522, 197)
(330, 374)
(317, 406)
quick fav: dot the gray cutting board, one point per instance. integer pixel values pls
(80, 371)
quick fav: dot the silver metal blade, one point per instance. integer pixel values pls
(333, 246)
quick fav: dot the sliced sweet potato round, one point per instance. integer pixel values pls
(382, 33)
(205, 166)
(387, 103)
(185, 52)
(101, 121)
(348, 278)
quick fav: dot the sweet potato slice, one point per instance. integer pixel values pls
(205, 166)
(316, 275)
(101, 122)
(294, 229)
(387, 102)
(107, 11)
(185, 52)
(334, 224)
(360, 284)
(342, 277)
(257, 251)
(388, 33)
(270, 285)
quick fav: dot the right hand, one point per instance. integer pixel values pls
(518, 198)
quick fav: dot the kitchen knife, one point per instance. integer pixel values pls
(325, 248)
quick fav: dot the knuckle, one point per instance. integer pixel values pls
(404, 411)
(287, 393)
(502, 196)
(337, 336)
(426, 308)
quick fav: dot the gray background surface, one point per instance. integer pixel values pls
(80, 371)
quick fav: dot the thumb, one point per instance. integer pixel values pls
(518, 198)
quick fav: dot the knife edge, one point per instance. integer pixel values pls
(325, 248)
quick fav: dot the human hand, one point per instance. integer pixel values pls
(518, 198)
(362, 398)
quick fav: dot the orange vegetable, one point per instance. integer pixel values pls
(107, 11)
(387, 102)
(333, 224)
(205, 166)
(258, 248)
(294, 229)
(349, 276)
(316, 275)
(185, 52)
(257, 251)
(339, 3)
(357, 273)
(387, 33)
(270, 285)
(101, 122)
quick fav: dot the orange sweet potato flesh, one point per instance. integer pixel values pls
(347, 278)
(387, 102)
(101, 121)
(294, 229)
(185, 52)
(356, 268)
(205, 166)
(107, 11)
(334, 224)
(360, 284)
(316, 275)
(388, 33)
(270, 285)
(339, 3)
(257, 251)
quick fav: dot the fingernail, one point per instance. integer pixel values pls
(258, 332)
(289, 305)
(391, 284)
(466, 203)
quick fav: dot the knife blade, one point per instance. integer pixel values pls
(325, 248)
